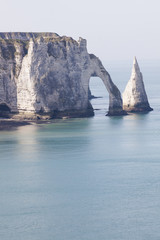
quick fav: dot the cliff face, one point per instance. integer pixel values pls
(46, 73)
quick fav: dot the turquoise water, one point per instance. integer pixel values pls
(84, 179)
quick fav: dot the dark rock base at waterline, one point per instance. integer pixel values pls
(73, 114)
(139, 110)
(116, 113)
(142, 107)
(23, 117)
(11, 124)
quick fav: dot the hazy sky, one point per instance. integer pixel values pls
(114, 29)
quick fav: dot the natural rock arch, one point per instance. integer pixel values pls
(51, 73)
(115, 100)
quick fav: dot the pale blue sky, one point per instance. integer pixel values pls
(114, 29)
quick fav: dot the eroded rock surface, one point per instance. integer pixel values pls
(45, 73)
(135, 97)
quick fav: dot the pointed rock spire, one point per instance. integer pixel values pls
(135, 97)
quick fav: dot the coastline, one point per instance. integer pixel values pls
(10, 124)
(11, 121)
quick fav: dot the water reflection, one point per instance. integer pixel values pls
(55, 140)
(27, 147)
(115, 120)
(140, 116)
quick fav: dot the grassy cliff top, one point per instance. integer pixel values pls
(12, 37)
(26, 35)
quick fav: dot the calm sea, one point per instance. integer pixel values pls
(85, 179)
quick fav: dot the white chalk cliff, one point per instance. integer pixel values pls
(135, 97)
(45, 73)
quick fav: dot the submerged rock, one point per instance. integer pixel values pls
(90, 96)
(44, 73)
(135, 97)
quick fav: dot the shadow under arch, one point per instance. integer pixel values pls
(4, 109)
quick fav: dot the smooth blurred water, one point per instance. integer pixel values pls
(84, 179)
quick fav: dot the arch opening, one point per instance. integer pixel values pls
(98, 96)
(115, 100)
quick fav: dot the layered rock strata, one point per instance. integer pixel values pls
(47, 74)
(135, 97)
